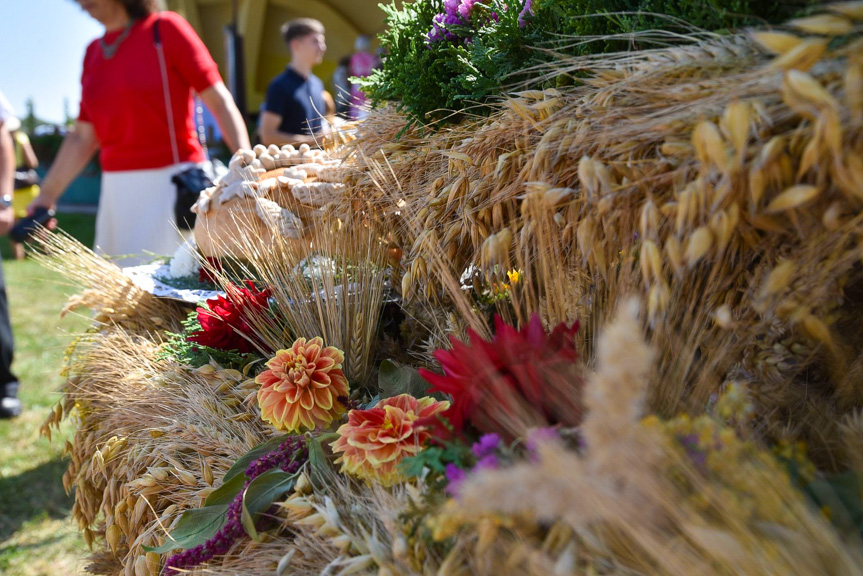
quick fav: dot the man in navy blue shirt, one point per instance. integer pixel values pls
(296, 100)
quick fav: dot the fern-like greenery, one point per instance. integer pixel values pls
(180, 350)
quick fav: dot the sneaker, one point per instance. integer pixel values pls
(9, 407)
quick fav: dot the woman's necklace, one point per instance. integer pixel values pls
(110, 49)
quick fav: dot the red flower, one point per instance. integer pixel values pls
(519, 380)
(205, 274)
(225, 322)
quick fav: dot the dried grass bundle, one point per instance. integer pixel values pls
(152, 439)
(114, 299)
(330, 284)
(718, 181)
(719, 186)
(627, 508)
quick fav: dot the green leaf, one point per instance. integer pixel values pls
(194, 527)
(249, 524)
(262, 492)
(319, 465)
(841, 494)
(226, 493)
(394, 380)
(243, 461)
(429, 458)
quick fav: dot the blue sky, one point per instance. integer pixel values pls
(42, 46)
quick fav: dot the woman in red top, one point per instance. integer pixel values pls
(123, 114)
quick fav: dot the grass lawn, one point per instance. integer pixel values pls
(36, 534)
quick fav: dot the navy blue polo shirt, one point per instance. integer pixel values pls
(299, 101)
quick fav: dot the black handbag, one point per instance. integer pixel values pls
(190, 183)
(25, 178)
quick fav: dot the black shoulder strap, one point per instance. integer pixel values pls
(157, 38)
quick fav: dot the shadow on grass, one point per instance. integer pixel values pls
(35, 493)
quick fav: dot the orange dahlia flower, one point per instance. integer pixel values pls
(303, 386)
(374, 441)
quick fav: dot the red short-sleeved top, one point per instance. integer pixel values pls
(122, 96)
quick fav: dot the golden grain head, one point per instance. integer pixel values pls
(804, 87)
(676, 149)
(852, 10)
(736, 120)
(674, 252)
(649, 220)
(141, 566)
(831, 217)
(650, 260)
(554, 196)
(699, 244)
(587, 174)
(825, 24)
(709, 145)
(793, 197)
(113, 533)
(816, 329)
(657, 301)
(803, 56)
(723, 318)
(775, 42)
(779, 279)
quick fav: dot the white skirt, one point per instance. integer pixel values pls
(135, 222)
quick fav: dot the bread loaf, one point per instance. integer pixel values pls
(267, 201)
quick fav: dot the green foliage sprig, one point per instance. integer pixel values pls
(179, 349)
(446, 81)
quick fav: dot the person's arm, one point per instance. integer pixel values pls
(29, 156)
(186, 53)
(78, 147)
(270, 133)
(7, 177)
(220, 103)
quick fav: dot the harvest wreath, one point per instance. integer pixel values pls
(610, 328)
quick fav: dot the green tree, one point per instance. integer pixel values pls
(30, 121)
(68, 119)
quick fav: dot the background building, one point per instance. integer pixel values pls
(259, 23)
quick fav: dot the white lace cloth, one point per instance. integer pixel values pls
(146, 277)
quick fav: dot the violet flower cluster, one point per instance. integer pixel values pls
(691, 444)
(289, 457)
(485, 450)
(488, 451)
(464, 13)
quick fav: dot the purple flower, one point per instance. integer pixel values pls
(692, 446)
(487, 444)
(289, 456)
(489, 462)
(451, 20)
(440, 25)
(465, 8)
(451, 7)
(455, 476)
(539, 436)
(435, 34)
(525, 10)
